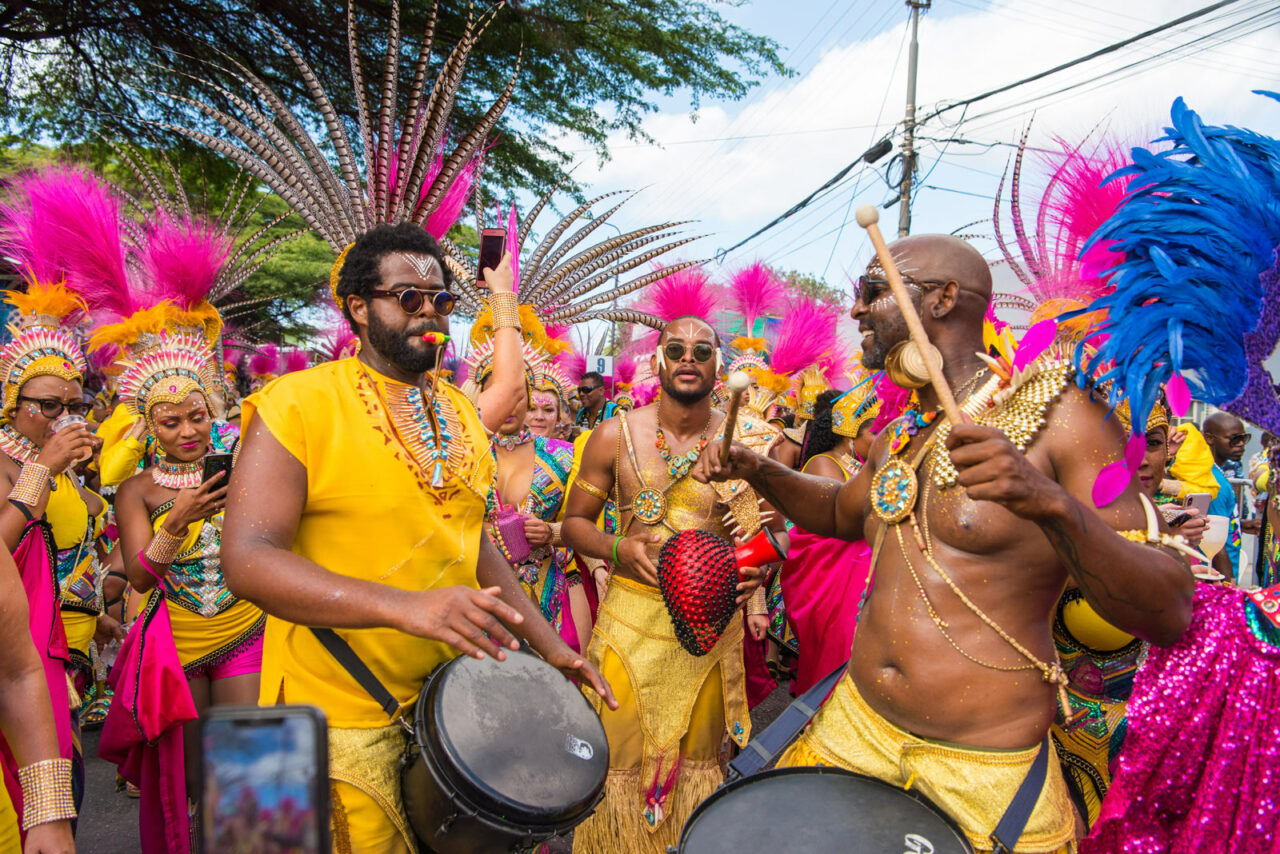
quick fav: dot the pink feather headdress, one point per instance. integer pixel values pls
(181, 260)
(755, 293)
(687, 291)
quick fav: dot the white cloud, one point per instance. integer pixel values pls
(735, 186)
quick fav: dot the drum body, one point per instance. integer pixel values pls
(509, 754)
(819, 811)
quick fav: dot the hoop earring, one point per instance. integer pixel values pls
(905, 364)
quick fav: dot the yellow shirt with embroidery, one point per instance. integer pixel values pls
(371, 513)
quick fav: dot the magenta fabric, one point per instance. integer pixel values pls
(143, 730)
(1200, 769)
(760, 682)
(246, 658)
(823, 580)
(34, 557)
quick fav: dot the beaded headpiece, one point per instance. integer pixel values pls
(549, 376)
(856, 407)
(166, 373)
(1159, 416)
(480, 364)
(812, 383)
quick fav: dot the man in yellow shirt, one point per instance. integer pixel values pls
(357, 505)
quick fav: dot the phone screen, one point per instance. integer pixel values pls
(492, 243)
(265, 779)
(214, 463)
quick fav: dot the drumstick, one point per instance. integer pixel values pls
(737, 383)
(868, 217)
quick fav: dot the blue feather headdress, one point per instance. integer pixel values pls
(1198, 233)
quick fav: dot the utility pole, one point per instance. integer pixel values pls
(909, 134)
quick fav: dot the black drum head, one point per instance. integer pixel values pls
(517, 738)
(819, 811)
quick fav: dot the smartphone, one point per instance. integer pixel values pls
(214, 463)
(264, 776)
(1199, 501)
(493, 242)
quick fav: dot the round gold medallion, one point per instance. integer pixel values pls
(650, 506)
(893, 491)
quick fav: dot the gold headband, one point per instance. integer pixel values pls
(335, 272)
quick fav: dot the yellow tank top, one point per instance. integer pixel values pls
(371, 513)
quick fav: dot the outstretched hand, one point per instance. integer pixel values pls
(577, 667)
(741, 465)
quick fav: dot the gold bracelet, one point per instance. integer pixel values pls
(46, 792)
(164, 547)
(506, 311)
(758, 604)
(591, 489)
(556, 539)
(30, 485)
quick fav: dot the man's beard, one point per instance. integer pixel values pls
(888, 333)
(396, 348)
(681, 396)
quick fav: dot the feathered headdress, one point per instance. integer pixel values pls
(755, 294)
(406, 177)
(295, 360)
(564, 280)
(806, 349)
(36, 223)
(624, 377)
(264, 366)
(480, 366)
(1194, 305)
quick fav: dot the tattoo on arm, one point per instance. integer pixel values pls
(1065, 545)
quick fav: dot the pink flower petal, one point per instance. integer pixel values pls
(1036, 340)
(1111, 483)
(1179, 395)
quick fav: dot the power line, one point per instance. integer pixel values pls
(885, 145)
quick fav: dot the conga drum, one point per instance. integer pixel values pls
(508, 755)
(819, 811)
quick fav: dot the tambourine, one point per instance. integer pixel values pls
(698, 574)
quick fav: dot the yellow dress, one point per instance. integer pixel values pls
(209, 623)
(76, 565)
(374, 513)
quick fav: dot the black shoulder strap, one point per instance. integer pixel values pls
(346, 656)
(762, 749)
(1007, 833)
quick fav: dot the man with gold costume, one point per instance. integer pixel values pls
(665, 740)
(975, 529)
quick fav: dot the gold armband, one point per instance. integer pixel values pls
(556, 539)
(506, 311)
(46, 792)
(591, 489)
(164, 547)
(758, 604)
(29, 488)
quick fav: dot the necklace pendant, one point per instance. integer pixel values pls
(893, 491)
(437, 475)
(650, 506)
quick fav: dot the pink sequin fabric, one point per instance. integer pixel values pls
(1200, 770)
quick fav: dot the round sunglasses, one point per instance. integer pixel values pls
(412, 299)
(702, 351)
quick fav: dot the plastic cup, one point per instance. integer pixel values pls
(1215, 535)
(67, 420)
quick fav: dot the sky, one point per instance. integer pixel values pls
(735, 166)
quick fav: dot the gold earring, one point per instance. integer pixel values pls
(906, 367)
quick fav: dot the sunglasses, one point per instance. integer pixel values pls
(52, 408)
(412, 300)
(584, 390)
(869, 289)
(1239, 438)
(702, 351)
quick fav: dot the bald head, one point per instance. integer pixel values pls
(1226, 436)
(943, 258)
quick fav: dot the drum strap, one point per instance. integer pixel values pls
(1007, 833)
(762, 749)
(346, 656)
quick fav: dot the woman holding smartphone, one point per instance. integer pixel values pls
(170, 521)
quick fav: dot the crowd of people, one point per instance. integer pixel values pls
(1031, 614)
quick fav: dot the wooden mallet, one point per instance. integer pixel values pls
(738, 382)
(869, 217)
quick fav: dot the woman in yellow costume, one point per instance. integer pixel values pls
(50, 519)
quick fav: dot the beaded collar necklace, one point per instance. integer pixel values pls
(178, 475)
(513, 441)
(679, 465)
(17, 446)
